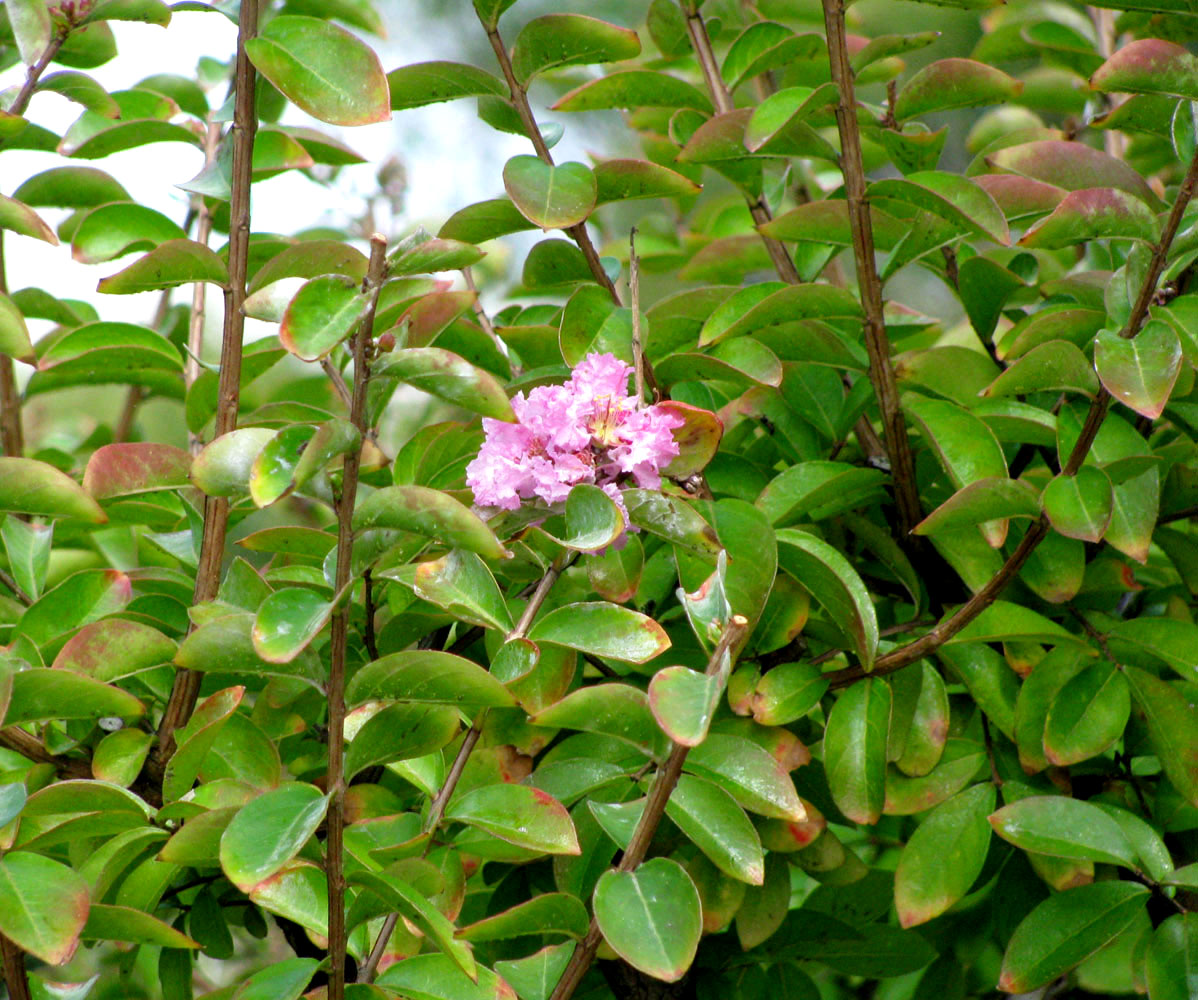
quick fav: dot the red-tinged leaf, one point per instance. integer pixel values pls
(1020, 197)
(433, 975)
(519, 814)
(1172, 729)
(430, 82)
(954, 83)
(1092, 214)
(635, 88)
(1080, 506)
(616, 574)
(322, 69)
(269, 831)
(683, 703)
(174, 263)
(299, 892)
(1065, 929)
(783, 110)
(552, 197)
(855, 750)
(1056, 322)
(432, 313)
(624, 180)
(113, 648)
(981, 501)
(1057, 364)
(223, 468)
(431, 513)
(196, 739)
(323, 313)
(1072, 166)
(1149, 66)
(602, 629)
(119, 756)
(24, 220)
(432, 255)
(944, 856)
(116, 470)
(569, 40)
(752, 775)
(698, 438)
(43, 906)
(955, 199)
(1140, 372)
(651, 917)
(287, 621)
(449, 377)
(31, 487)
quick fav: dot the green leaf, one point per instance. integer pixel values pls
(1140, 372)
(287, 621)
(323, 313)
(684, 702)
(197, 738)
(25, 221)
(519, 814)
(569, 40)
(990, 680)
(119, 228)
(548, 913)
(602, 629)
(28, 549)
(70, 187)
(43, 905)
(430, 82)
(981, 501)
(285, 980)
(299, 892)
(31, 487)
(767, 45)
(113, 648)
(1064, 828)
(150, 11)
(41, 694)
(461, 583)
(122, 923)
(855, 750)
(769, 303)
(787, 693)
(1080, 506)
(173, 263)
(433, 255)
(484, 221)
(617, 710)
(1172, 729)
(1149, 66)
(428, 512)
(634, 88)
(1092, 214)
(674, 520)
(957, 200)
(753, 776)
(436, 976)
(400, 732)
(1156, 639)
(552, 197)
(1171, 963)
(269, 831)
(1072, 166)
(593, 521)
(1067, 928)
(834, 583)
(651, 917)
(1057, 364)
(944, 856)
(31, 28)
(1088, 716)
(1004, 621)
(714, 823)
(14, 335)
(593, 324)
(226, 644)
(426, 675)
(118, 470)
(322, 69)
(223, 468)
(623, 180)
(449, 377)
(954, 83)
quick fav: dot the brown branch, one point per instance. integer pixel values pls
(933, 640)
(199, 291)
(881, 371)
(10, 582)
(15, 978)
(646, 827)
(335, 781)
(216, 509)
(484, 320)
(31, 748)
(578, 233)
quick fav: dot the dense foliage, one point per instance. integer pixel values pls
(829, 634)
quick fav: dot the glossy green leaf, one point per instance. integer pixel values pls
(43, 905)
(769, 303)
(753, 776)
(671, 519)
(298, 892)
(519, 814)
(195, 740)
(122, 923)
(1057, 364)
(14, 335)
(954, 83)
(1064, 828)
(428, 512)
(118, 228)
(449, 377)
(427, 675)
(461, 583)
(944, 856)
(1080, 506)
(1171, 963)
(28, 549)
(602, 629)
(981, 501)
(170, 264)
(834, 583)
(31, 487)
(433, 255)
(430, 82)
(70, 187)
(855, 749)
(226, 644)
(714, 823)
(24, 220)
(223, 468)
(287, 621)
(1088, 715)
(957, 200)
(1065, 929)
(634, 88)
(268, 832)
(548, 913)
(323, 313)
(1140, 372)
(1172, 729)
(437, 976)
(552, 197)
(569, 40)
(41, 694)
(400, 732)
(651, 917)
(684, 702)
(618, 710)
(322, 69)
(623, 180)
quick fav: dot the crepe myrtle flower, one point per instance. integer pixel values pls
(586, 431)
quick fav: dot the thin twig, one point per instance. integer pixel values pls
(934, 639)
(484, 320)
(634, 291)
(338, 382)
(436, 810)
(31, 748)
(15, 978)
(339, 629)
(646, 827)
(881, 370)
(216, 509)
(368, 638)
(11, 584)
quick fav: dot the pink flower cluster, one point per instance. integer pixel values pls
(586, 431)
